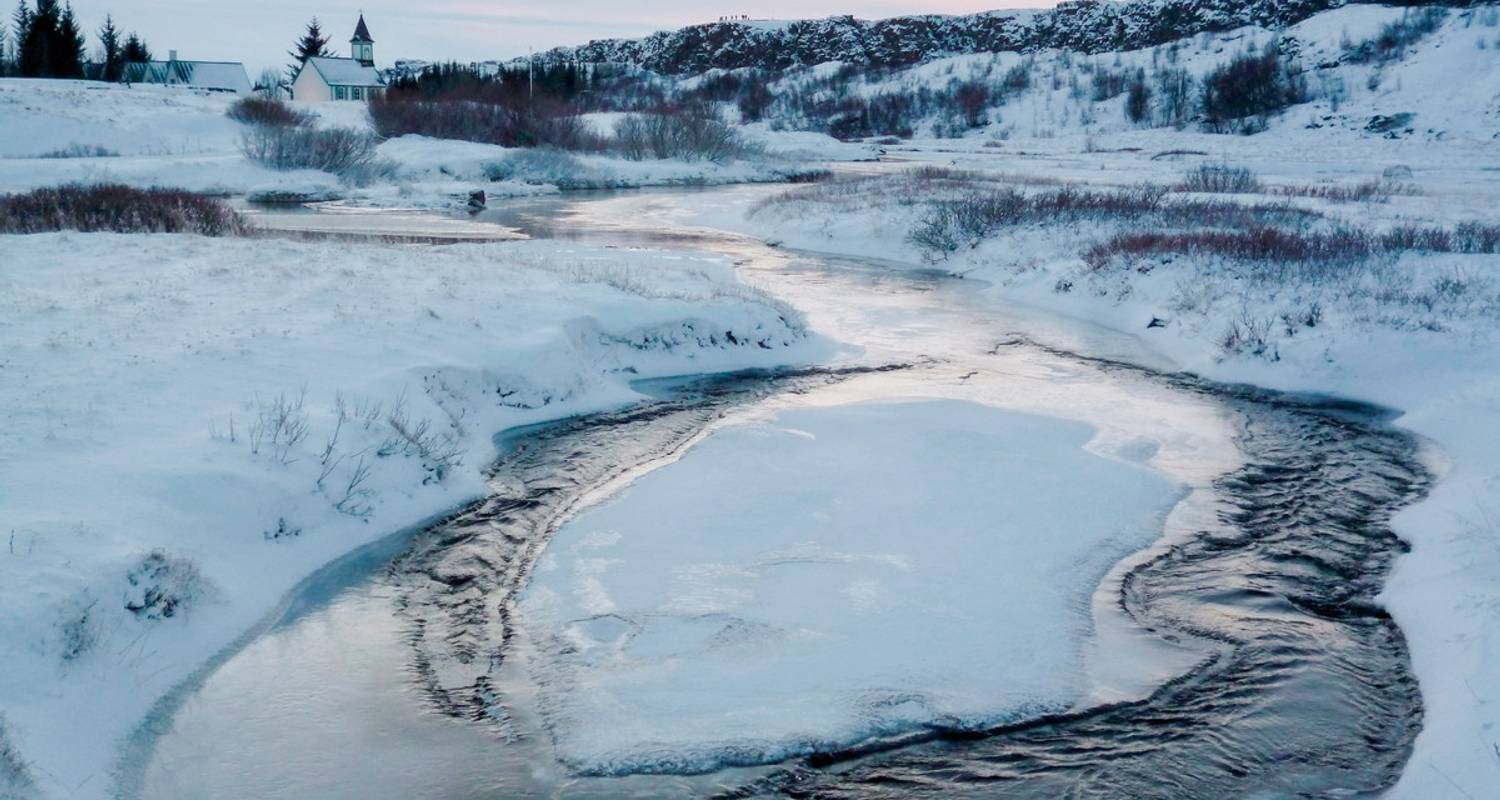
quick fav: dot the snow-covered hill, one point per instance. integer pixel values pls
(1439, 80)
(1089, 26)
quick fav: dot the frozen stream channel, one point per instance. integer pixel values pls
(954, 563)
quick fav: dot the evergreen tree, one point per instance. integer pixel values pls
(313, 44)
(135, 51)
(36, 47)
(4, 51)
(20, 24)
(68, 47)
(109, 49)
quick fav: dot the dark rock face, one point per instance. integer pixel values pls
(1089, 26)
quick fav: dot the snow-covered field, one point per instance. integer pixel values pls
(779, 592)
(160, 136)
(192, 425)
(1419, 333)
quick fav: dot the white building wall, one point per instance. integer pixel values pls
(310, 88)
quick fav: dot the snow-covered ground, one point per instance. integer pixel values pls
(1419, 334)
(138, 374)
(191, 425)
(779, 592)
(163, 136)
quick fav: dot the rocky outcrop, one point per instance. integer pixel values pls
(1089, 26)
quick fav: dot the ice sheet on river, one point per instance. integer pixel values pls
(830, 576)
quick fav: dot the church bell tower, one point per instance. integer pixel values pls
(362, 47)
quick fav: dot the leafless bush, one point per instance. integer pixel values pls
(80, 151)
(551, 167)
(1176, 154)
(1372, 191)
(1250, 335)
(1282, 246)
(949, 223)
(280, 425)
(270, 112)
(504, 121)
(355, 498)
(342, 151)
(161, 585)
(439, 451)
(687, 133)
(1395, 37)
(1219, 179)
(78, 627)
(15, 774)
(1259, 244)
(1242, 95)
(1475, 237)
(283, 530)
(113, 207)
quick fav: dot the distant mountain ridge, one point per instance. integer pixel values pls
(1088, 26)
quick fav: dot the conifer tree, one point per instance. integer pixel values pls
(313, 44)
(109, 49)
(135, 51)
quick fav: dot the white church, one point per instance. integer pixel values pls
(354, 78)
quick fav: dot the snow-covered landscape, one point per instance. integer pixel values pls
(1008, 327)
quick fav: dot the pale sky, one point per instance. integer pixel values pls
(260, 32)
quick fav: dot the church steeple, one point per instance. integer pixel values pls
(362, 47)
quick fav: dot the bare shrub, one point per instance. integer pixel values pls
(1395, 37)
(259, 110)
(342, 151)
(1372, 191)
(1250, 335)
(280, 426)
(947, 224)
(535, 166)
(162, 585)
(1276, 245)
(1475, 237)
(15, 773)
(1259, 244)
(688, 133)
(76, 150)
(355, 498)
(1242, 95)
(117, 208)
(478, 117)
(1219, 179)
(439, 451)
(78, 628)
(1138, 98)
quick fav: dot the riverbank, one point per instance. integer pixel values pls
(149, 136)
(1430, 356)
(194, 424)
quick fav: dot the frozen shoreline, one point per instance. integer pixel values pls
(127, 381)
(1446, 386)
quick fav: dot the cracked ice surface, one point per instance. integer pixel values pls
(827, 577)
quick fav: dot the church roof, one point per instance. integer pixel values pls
(345, 72)
(361, 33)
(216, 75)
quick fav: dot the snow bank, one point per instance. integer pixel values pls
(1390, 338)
(191, 425)
(777, 592)
(164, 136)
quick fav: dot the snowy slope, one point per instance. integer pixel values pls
(167, 136)
(158, 496)
(1090, 26)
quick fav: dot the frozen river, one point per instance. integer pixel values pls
(956, 561)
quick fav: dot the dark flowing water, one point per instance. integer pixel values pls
(1242, 656)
